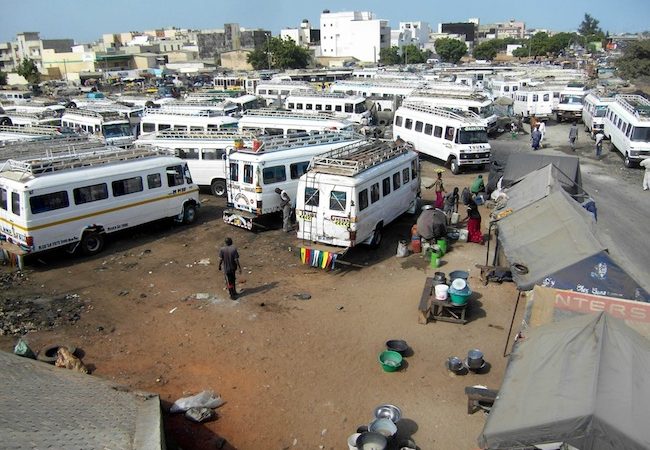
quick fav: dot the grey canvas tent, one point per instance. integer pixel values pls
(521, 164)
(534, 186)
(582, 381)
(545, 237)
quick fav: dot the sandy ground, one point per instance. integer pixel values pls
(294, 373)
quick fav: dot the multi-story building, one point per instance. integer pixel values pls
(29, 45)
(232, 37)
(353, 34)
(467, 29)
(502, 30)
(304, 36)
(410, 33)
(6, 58)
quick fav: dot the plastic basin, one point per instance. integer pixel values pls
(459, 299)
(390, 361)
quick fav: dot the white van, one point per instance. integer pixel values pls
(203, 151)
(458, 138)
(350, 194)
(273, 122)
(16, 97)
(184, 119)
(110, 125)
(255, 172)
(351, 107)
(276, 91)
(594, 109)
(75, 198)
(627, 124)
(570, 105)
(10, 133)
(533, 101)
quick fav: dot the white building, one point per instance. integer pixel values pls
(410, 33)
(303, 36)
(353, 34)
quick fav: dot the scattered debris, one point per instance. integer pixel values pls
(19, 316)
(65, 359)
(199, 415)
(203, 262)
(302, 296)
(202, 296)
(123, 293)
(171, 311)
(204, 399)
(340, 307)
(22, 349)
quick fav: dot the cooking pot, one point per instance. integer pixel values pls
(455, 364)
(440, 278)
(475, 359)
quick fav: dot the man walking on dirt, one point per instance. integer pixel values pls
(285, 204)
(573, 136)
(229, 260)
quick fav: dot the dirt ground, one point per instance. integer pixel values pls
(294, 373)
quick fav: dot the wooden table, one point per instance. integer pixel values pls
(437, 309)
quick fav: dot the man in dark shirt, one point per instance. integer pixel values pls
(229, 259)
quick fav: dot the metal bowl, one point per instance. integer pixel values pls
(455, 364)
(397, 345)
(385, 427)
(371, 441)
(387, 411)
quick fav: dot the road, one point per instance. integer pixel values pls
(623, 212)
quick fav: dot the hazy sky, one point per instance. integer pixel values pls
(86, 20)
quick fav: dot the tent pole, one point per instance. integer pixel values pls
(505, 349)
(496, 247)
(487, 251)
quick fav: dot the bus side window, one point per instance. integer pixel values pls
(449, 133)
(248, 174)
(363, 199)
(234, 171)
(405, 175)
(338, 201)
(398, 121)
(154, 181)
(174, 176)
(296, 170)
(48, 202)
(311, 196)
(3, 199)
(437, 131)
(15, 203)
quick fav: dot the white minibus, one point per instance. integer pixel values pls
(627, 125)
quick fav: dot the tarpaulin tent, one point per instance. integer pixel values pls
(534, 186)
(546, 237)
(521, 164)
(581, 381)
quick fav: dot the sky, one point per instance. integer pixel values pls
(86, 20)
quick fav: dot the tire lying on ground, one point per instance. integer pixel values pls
(48, 353)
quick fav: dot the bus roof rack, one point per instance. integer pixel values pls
(71, 158)
(299, 140)
(270, 112)
(202, 135)
(36, 130)
(356, 158)
(636, 104)
(22, 149)
(448, 113)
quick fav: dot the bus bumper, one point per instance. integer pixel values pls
(238, 218)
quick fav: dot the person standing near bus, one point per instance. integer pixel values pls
(285, 204)
(229, 260)
(439, 189)
(646, 177)
(573, 136)
(599, 143)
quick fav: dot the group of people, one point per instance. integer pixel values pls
(448, 203)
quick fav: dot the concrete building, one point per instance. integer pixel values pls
(29, 45)
(410, 33)
(212, 43)
(6, 57)
(502, 30)
(467, 29)
(304, 36)
(353, 34)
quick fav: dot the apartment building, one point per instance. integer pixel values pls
(356, 34)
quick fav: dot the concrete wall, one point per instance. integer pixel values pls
(236, 60)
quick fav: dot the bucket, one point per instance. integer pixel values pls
(435, 260)
(416, 244)
(441, 291)
(256, 144)
(402, 249)
(352, 441)
(442, 245)
(414, 230)
(462, 235)
(455, 217)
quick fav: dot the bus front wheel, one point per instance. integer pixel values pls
(454, 166)
(628, 162)
(189, 214)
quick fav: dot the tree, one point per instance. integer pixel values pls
(389, 56)
(28, 70)
(3, 78)
(279, 53)
(450, 50)
(413, 55)
(589, 26)
(486, 50)
(635, 61)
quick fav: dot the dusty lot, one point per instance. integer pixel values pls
(294, 373)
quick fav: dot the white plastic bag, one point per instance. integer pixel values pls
(207, 399)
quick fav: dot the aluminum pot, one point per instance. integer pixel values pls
(475, 359)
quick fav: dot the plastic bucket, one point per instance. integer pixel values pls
(463, 234)
(352, 441)
(442, 245)
(441, 291)
(402, 249)
(435, 260)
(416, 244)
(455, 217)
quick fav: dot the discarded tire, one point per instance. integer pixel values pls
(48, 353)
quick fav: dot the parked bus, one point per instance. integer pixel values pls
(155, 120)
(73, 199)
(203, 151)
(275, 92)
(349, 195)
(533, 101)
(110, 125)
(457, 137)
(273, 122)
(594, 109)
(627, 124)
(459, 99)
(570, 105)
(351, 107)
(15, 97)
(278, 162)
(385, 94)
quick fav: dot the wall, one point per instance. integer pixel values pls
(236, 60)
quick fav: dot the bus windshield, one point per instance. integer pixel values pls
(360, 108)
(641, 134)
(600, 111)
(472, 135)
(117, 130)
(487, 111)
(571, 99)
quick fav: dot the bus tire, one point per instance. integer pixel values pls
(71, 105)
(92, 243)
(6, 121)
(149, 104)
(627, 162)
(218, 188)
(189, 214)
(454, 166)
(376, 236)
